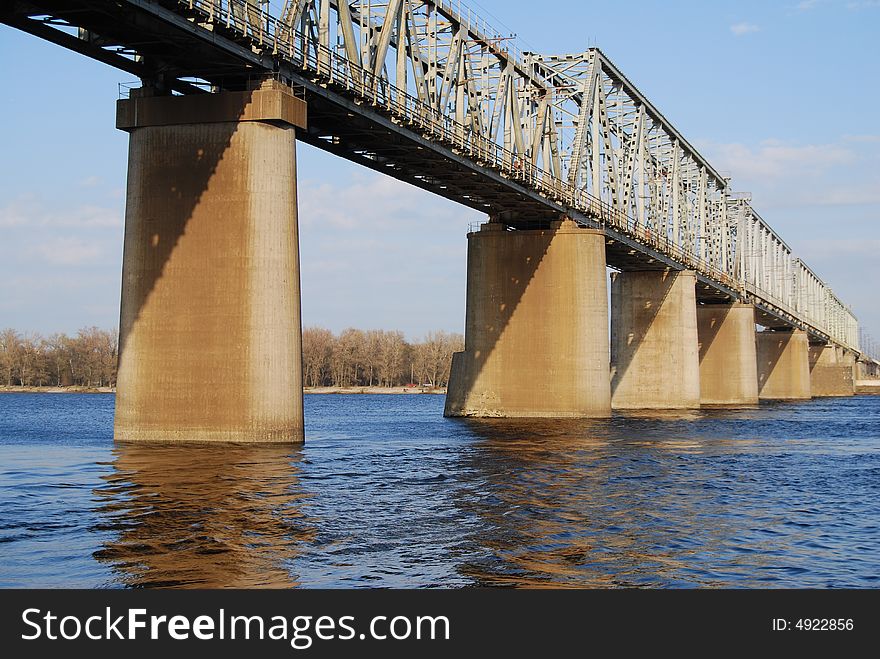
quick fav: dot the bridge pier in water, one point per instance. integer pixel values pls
(536, 332)
(783, 365)
(832, 371)
(728, 354)
(210, 330)
(654, 342)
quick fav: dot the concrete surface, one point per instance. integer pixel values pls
(536, 337)
(783, 365)
(654, 341)
(210, 332)
(728, 355)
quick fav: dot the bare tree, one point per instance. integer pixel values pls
(31, 361)
(356, 357)
(317, 349)
(454, 343)
(57, 348)
(89, 359)
(10, 342)
(346, 355)
(109, 346)
(392, 349)
(420, 363)
(370, 358)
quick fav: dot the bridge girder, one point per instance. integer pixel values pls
(437, 98)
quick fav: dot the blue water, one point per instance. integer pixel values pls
(386, 492)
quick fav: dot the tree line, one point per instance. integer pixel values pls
(353, 358)
(87, 359)
(376, 358)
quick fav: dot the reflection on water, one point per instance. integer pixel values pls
(663, 415)
(643, 501)
(525, 498)
(386, 492)
(574, 504)
(202, 516)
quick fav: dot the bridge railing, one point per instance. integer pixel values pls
(346, 76)
(268, 34)
(433, 124)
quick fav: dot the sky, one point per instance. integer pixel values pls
(782, 96)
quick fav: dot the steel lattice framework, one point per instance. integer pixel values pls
(541, 135)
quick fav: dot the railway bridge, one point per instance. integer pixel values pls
(575, 169)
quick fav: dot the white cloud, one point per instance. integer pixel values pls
(67, 251)
(378, 252)
(776, 159)
(371, 200)
(66, 243)
(844, 173)
(89, 216)
(844, 195)
(90, 182)
(852, 5)
(841, 247)
(36, 286)
(13, 215)
(862, 139)
(824, 200)
(742, 29)
(30, 211)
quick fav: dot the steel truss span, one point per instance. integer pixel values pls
(428, 92)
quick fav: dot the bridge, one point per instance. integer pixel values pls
(575, 168)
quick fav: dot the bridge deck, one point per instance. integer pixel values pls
(356, 122)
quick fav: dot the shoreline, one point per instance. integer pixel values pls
(306, 390)
(862, 388)
(374, 390)
(57, 390)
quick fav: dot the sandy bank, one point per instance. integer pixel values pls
(374, 390)
(306, 390)
(57, 390)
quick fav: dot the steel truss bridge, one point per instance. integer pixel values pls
(426, 91)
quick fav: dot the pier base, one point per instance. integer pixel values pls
(210, 334)
(536, 337)
(728, 357)
(783, 365)
(832, 371)
(654, 343)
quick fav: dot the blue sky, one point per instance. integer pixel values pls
(781, 95)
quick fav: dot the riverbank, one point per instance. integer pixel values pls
(306, 390)
(374, 390)
(57, 390)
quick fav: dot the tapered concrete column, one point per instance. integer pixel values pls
(728, 358)
(783, 365)
(536, 336)
(832, 371)
(210, 333)
(654, 343)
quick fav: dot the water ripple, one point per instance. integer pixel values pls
(388, 493)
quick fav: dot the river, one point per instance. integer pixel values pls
(387, 493)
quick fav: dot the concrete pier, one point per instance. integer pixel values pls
(832, 371)
(868, 368)
(536, 336)
(783, 365)
(728, 356)
(210, 331)
(654, 341)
